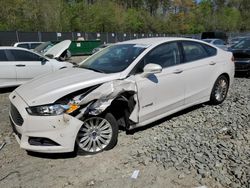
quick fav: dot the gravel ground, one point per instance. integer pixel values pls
(203, 145)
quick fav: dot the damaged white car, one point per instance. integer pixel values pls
(129, 84)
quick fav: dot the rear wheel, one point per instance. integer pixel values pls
(97, 134)
(220, 90)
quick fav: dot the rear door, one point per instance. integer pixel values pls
(7, 70)
(28, 64)
(199, 65)
(163, 92)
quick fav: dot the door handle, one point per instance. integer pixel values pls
(178, 71)
(212, 63)
(20, 65)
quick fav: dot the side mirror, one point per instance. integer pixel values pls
(151, 69)
(43, 61)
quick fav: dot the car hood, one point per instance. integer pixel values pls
(48, 88)
(57, 50)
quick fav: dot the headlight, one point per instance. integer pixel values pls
(48, 110)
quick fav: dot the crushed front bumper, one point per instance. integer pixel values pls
(45, 134)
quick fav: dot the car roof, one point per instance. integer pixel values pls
(156, 40)
(27, 42)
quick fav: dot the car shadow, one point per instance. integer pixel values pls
(7, 90)
(53, 155)
(182, 112)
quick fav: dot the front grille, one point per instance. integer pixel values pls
(14, 129)
(16, 116)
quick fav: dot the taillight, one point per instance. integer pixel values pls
(232, 58)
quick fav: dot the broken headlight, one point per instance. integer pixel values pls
(48, 110)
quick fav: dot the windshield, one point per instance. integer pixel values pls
(113, 59)
(242, 44)
(42, 48)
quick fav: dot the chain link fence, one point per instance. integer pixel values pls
(8, 38)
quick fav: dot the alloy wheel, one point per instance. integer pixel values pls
(221, 89)
(94, 135)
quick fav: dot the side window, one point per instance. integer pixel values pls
(210, 50)
(22, 55)
(193, 51)
(3, 56)
(165, 55)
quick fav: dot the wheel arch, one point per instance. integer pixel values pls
(227, 76)
(121, 107)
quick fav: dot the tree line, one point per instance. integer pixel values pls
(135, 16)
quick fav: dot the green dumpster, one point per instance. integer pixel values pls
(83, 47)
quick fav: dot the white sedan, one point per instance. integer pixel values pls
(18, 65)
(129, 84)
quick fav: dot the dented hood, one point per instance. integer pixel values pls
(57, 50)
(51, 87)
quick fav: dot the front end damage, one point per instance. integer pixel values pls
(57, 133)
(117, 95)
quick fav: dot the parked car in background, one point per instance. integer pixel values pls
(44, 47)
(128, 84)
(241, 52)
(215, 35)
(217, 42)
(27, 45)
(235, 40)
(100, 47)
(19, 65)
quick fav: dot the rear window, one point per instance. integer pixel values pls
(34, 45)
(210, 50)
(193, 51)
(23, 46)
(218, 42)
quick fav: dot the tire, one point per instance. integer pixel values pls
(98, 133)
(219, 91)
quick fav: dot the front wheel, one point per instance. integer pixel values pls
(220, 89)
(97, 134)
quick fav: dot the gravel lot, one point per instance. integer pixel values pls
(203, 145)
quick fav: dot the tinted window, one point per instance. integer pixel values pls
(165, 55)
(22, 55)
(193, 51)
(3, 56)
(210, 50)
(23, 46)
